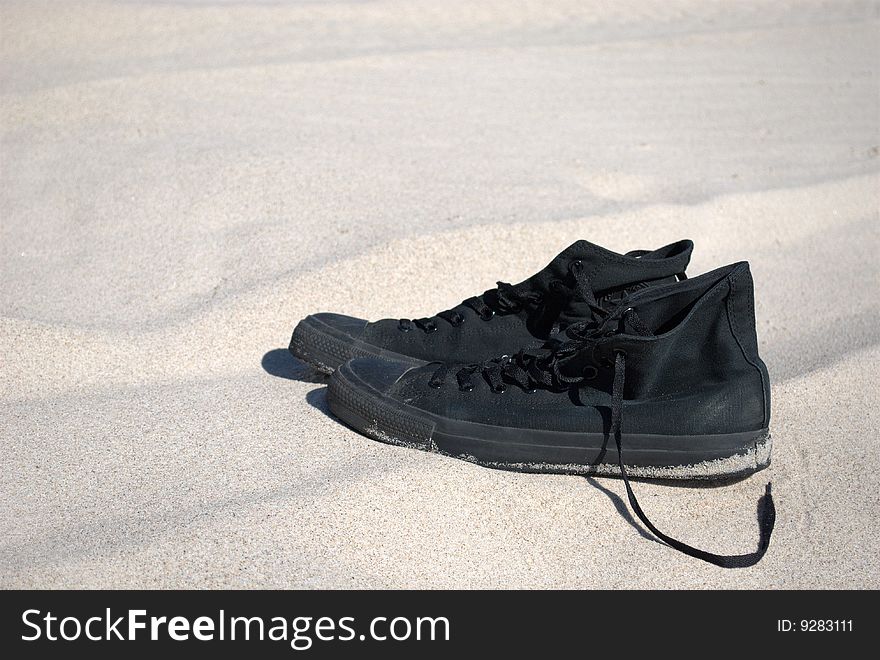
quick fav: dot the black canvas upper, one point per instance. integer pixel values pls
(581, 278)
(691, 360)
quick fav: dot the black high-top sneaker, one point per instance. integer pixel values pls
(578, 285)
(666, 385)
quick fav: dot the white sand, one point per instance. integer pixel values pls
(182, 181)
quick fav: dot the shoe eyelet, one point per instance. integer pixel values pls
(609, 361)
(457, 320)
(434, 385)
(589, 372)
(488, 317)
(577, 264)
(469, 388)
(556, 286)
(430, 329)
(403, 327)
(501, 389)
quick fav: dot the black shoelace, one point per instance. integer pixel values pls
(509, 298)
(540, 368)
(766, 507)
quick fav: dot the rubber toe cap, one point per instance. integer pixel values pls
(375, 373)
(349, 325)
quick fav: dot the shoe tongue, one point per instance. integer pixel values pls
(610, 272)
(613, 276)
(622, 324)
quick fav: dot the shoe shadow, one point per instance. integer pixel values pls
(317, 399)
(701, 484)
(280, 363)
(622, 509)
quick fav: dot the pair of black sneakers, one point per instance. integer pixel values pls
(601, 363)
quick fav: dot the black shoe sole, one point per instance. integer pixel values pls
(325, 348)
(703, 457)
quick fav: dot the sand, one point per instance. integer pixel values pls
(182, 181)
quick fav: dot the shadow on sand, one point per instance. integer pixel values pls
(280, 363)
